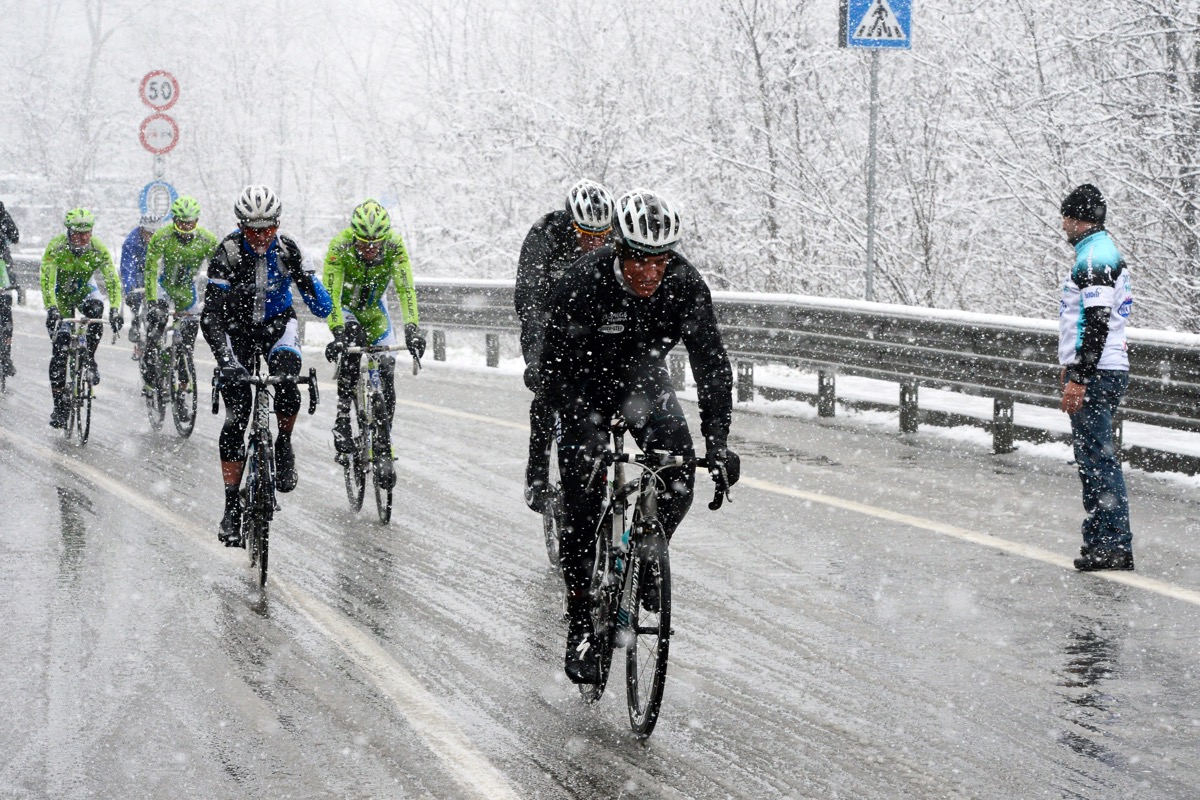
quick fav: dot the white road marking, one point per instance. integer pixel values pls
(1015, 548)
(443, 738)
(994, 542)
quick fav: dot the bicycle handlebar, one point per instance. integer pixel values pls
(374, 348)
(654, 462)
(310, 380)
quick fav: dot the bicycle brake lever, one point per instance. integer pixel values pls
(314, 394)
(216, 395)
(718, 499)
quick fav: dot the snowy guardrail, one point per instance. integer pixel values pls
(1009, 359)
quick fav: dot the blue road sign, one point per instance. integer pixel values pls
(878, 23)
(156, 199)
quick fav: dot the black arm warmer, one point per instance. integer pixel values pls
(1095, 335)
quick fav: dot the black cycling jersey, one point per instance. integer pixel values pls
(600, 336)
(549, 250)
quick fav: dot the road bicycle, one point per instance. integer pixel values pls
(372, 432)
(6, 329)
(630, 590)
(79, 386)
(174, 379)
(257, 493)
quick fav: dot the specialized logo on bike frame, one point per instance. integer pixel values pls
(614, 322)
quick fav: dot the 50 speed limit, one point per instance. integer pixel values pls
(159, 90)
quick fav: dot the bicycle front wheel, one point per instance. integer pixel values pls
(184, 393)
(81, 403)
(156, 409)
(383, 469)
(259, 508)
(649, 644)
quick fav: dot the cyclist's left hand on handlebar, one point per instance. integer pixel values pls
(115, 319)
(335, 348)
(724, 466)
(414, 341)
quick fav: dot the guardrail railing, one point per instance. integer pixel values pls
(1008, 359)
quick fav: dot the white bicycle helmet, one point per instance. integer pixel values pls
(649, 222)
(591, 205)
(257, 207)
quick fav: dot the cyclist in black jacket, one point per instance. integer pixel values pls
(612, 321)
(552, 245)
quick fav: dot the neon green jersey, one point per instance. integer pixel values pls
(174, 263)
(66, 276)
(357, 285)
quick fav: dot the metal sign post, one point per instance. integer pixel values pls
(874, 24)
(159, 134)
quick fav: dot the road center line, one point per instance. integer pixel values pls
(443, 738)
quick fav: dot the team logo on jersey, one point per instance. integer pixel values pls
(1126, 308)
(614, 322)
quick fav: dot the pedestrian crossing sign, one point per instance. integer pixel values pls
(876, 23)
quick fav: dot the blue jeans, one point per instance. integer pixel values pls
(1104, 496)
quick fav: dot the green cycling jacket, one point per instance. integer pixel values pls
(175, 263)
(357, 285)
(66, 276)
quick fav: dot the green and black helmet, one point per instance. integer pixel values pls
(185, 209)
(370, 221)
(80, 219)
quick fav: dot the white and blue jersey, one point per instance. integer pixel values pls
(249, 296)
(1098, 278)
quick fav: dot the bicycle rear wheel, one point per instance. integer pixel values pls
(603, 597)
(649, 644)
(184, 393)
(354, 463)
(552, 512)
(383, 469)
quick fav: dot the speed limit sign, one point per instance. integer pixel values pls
(159, 90)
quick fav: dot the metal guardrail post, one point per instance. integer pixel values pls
(439, 345)
(908, 406)
(745, 381)
(493, 349)
(826, 394)
(1002, 425)
(678, 375)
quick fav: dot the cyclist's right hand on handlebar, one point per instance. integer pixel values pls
(724, 466)
(335, 348)
(53, 320)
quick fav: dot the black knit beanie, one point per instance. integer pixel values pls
(1085, 204)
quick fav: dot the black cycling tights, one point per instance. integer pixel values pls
(655, 419)
(238, 399)
(93, 309)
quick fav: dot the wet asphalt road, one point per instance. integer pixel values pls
(872, 616)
